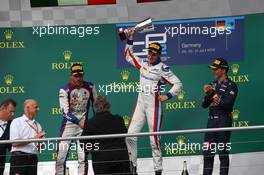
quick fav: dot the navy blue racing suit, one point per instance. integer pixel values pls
(219, 116)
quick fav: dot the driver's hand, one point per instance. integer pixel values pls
(208, 87)
(131, 32)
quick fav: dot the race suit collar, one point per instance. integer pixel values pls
(156, 62)
(223, 81)
(75, 86)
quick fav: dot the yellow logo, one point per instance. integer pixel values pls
(67, 55)
(155, 46)
(8, 34)
(8, 44)
(9, 79)
(244, 78)
(181, 95)
(181, 104)
(181, 140)
(125, 75)
(126, 120)
(217, 62)
(235, 68)
(237, 122)
(235, 114)
(56, 111)
(181, 146)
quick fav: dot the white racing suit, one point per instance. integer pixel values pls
(74, 103)
(153, 78)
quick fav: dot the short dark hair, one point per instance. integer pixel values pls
(226, 69)
(101, 104)
(7, 102)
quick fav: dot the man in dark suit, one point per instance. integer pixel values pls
(109, 156)
(7, 111)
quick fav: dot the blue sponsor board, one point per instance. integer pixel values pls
(184, 42)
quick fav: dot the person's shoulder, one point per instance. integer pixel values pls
(17, 120)
(214, 82)
(66, 87)
(232, 84)
(118, 118)
(163, 67)
(88, 84)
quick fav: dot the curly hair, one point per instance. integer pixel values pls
(101, 104)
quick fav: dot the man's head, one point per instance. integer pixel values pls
(101, 104)
(154, 52)
(219, 68)
(77, 74)
(8, 109)
(31, 108)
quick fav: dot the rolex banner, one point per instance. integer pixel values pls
(35, 64)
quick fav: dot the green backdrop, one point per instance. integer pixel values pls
(40, 68)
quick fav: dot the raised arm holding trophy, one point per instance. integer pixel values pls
(153, 75)
(142, 27)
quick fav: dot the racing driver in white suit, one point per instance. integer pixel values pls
(75, 99)
(153, 76)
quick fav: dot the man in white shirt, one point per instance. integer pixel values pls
(24, 159)
(7, 111)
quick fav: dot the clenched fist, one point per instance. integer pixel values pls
(208, 87)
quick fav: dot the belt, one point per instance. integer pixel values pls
(218, 116)
(213, 117)
(22, 153)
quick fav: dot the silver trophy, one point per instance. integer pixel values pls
(142, 27)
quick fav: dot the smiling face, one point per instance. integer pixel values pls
(219, 72)
(31, 108)
(77, 79)
(153, 57)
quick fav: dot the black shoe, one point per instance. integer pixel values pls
(158, 172)
(134, 170)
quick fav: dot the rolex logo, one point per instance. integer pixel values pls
(67, 55)
(180, 140)
(235, 68)
(9, 79)
(235, 114)
(126, 120)
(125, 75)
(181, 95)
(8, 34)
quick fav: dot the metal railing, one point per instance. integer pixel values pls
(176, 169)
(190, 131)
